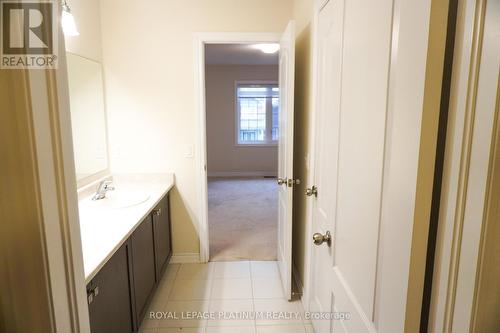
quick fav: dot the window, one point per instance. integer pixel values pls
(257, 107)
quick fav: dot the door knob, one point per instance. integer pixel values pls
(310, 191)
(320, 239)
(282, 181)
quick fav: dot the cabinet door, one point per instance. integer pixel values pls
(143, 266)
(109, 309)
(163, 248)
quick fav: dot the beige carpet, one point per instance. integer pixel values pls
(243, 218)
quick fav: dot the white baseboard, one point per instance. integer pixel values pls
(243, 174)
(185, 258)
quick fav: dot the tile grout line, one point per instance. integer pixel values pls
(253, 297)
(169, 293)
(173, 284)
(212, 277)
(164, 280)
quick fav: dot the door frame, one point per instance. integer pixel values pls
(200, 40)
(467, 167)
(44, 96)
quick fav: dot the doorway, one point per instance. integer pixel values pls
(242, 112)
(284, 181)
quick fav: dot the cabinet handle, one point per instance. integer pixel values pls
(91, 294)
(157, 212)
(90, 297)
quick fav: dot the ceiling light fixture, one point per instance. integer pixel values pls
(68, 21)
(268, 48)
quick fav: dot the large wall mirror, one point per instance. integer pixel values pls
(88, 118)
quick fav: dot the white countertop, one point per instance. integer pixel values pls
(105, 227)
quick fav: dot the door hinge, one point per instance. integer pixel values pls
(292, 182)
(92, 293)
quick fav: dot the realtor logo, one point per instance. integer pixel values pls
(28, 34)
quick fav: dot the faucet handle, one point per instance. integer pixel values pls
(102, 188)
(105, 185)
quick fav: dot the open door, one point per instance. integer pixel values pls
(285, 156)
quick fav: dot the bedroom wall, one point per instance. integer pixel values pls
(224, 157)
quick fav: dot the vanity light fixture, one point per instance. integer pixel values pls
(268, 48)
(68, 21)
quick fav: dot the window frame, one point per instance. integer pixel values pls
(238, 113)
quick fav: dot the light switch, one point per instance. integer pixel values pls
(189, 151)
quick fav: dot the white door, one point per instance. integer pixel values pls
(353, 44)
(329, 44)
(285, 156)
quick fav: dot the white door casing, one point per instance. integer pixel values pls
(487, 92)
(463, 227)
(199, 41)
(285, 156)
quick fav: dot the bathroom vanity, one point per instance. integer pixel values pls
(124, 219)
(126, 244)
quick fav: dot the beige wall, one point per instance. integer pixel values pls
(150, 94)
(89, 46)
(223, 156)
(150, 88)
(88, 21)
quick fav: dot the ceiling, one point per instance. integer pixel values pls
(237, 54)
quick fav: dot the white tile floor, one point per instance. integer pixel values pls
(224, 290)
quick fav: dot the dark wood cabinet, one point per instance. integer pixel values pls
(109, 296)
(120, 293)
(143, 266)
(162, 234)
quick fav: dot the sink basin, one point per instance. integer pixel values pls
(119, 200)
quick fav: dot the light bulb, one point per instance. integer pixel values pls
(268, 48)
(68, 22)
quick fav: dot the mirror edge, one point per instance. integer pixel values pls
(87, 181)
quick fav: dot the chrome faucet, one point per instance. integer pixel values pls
(104, 186)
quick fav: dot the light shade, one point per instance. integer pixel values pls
(268, 48)
(68, 22)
